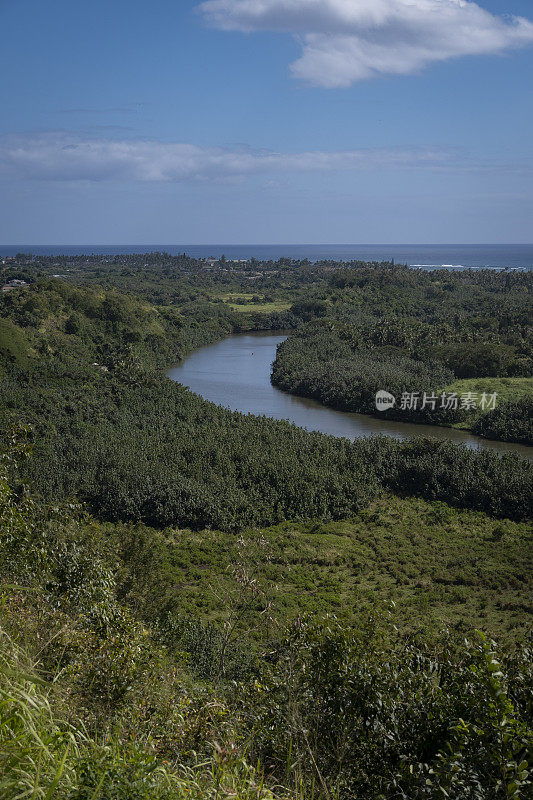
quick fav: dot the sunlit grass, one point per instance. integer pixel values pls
(44, 758)
(248, 307)
(263, 308)
(505, 388)
(441, 566)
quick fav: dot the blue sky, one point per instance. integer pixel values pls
(239, 121)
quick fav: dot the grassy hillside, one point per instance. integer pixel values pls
(14, 345)
(98, 701)
(441, 567)
(246, 301)
(506, 388)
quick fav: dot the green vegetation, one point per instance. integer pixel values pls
(14, 346)
(91, 706)
(441, 567)
(506, 388)
(509, 418)
(317, 362)
(97, 699)
(196, 603)
(111, 430)
(512, 421)
(165, 280)
(244, 302)
(403, 332)
(368, 716)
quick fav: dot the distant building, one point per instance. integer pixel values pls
(14, 284)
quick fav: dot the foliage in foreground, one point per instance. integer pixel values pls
(337, 714)
(46, 758)
(93, 705)
(370, 716)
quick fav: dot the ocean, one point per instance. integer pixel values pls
(422, 256)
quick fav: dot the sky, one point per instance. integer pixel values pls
(266, 121)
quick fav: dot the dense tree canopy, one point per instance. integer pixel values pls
(112, 430)
(406, 333)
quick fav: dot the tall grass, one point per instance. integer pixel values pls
(37, 752)
(45, 758)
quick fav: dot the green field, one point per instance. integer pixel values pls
(440, 566)
(248, 306)
(505, 388)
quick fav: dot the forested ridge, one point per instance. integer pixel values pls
(197, 603)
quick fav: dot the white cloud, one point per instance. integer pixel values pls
(345, 41)
(64, 157)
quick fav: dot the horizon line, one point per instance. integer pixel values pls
(276, 244)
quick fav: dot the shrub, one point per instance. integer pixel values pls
(367, 716)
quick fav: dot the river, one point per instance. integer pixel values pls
(235, 373)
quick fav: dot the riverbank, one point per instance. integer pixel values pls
(235, 373)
